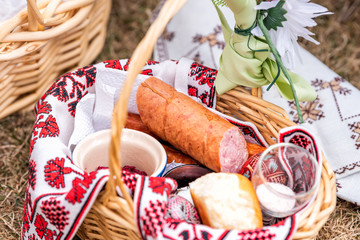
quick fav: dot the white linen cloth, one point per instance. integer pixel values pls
(195, 32)
(94, 111)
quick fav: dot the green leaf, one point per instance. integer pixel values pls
(274, 16)
(219, 2)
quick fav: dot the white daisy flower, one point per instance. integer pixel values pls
(299, 15)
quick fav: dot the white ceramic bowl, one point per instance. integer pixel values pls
(138, 149)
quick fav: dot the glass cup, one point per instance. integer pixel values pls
(285, 179)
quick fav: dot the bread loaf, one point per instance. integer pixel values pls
(227, 201)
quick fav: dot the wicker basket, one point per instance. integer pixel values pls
(111, 216)
(44, 41)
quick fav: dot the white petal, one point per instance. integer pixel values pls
(320, 14)
(299, 16)
(266, 5)
(312, 8)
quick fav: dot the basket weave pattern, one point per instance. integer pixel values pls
(44, 41)
(111, 216)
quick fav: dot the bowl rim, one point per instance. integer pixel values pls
(107, 132)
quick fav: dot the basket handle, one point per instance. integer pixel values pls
(141, 54)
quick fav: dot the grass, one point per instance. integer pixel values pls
(15, 133)
(339, 49)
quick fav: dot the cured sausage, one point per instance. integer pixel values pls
(133, 121)
(190, 127)
(176, 156)
(254, 149)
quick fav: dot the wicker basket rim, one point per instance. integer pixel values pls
(44, 20)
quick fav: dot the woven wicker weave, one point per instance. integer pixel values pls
(111, 217)
(44, 41)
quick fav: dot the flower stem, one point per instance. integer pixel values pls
(280, 63)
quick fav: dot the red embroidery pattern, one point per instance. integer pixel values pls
(129, 180)
(27, 213)
(153, 218)
(58, 89)
(42, 230)
(160, 186)
(32, 174)
(43, 108)
(68, 87)
(192, 91)
(57, 214)
(303, 142)
(249, 166)
(55, 171)
(256, 234)
(80, 187)
(280, 223)
(32, 144)
(173, 223)
(204, 96)
(47, 128)
(89, 72)
(203, 75)
(204, 235)
(116, 64)
(248, 132)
